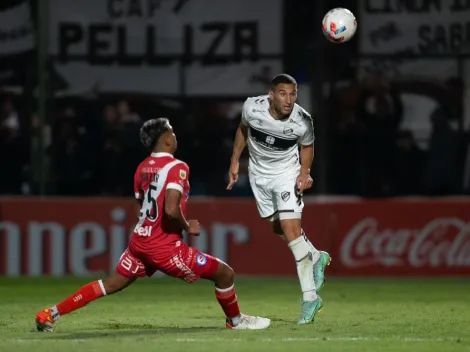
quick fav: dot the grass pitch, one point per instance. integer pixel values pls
(168, 315)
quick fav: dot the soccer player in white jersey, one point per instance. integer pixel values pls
(274, 126)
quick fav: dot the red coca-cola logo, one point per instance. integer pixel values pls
(440, 242)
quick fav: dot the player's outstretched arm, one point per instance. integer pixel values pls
(240, 142)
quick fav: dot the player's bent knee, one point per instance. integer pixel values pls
(228, 273)
(225, 276)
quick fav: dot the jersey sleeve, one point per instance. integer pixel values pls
(177, 177)
(245, 110)
(137, 189)
(309, 136)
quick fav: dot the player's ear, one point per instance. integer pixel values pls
(271, 94)
(168, 138)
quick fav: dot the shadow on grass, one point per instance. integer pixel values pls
(127, 330)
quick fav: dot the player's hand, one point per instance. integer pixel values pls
(194, 228)
(304, 181)
(233, 175)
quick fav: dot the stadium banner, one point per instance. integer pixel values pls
(82, 237)
(16, 29)
(429, 36)
(170, 47)
(17, 41)
(421, 28)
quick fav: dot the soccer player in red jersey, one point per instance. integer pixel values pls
(161, 188)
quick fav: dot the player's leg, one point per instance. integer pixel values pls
(304, 259)
(127, 271)
(290, 206)
(228, 300)
(190, 264)
(287, 201)
(90, 292)
(265, 202)
(319, 266)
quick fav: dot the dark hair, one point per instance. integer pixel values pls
(283, 78)
(152, 130)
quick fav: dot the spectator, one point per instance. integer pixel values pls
(381, 109)
(444, 156)
(12, 149)
(408, 165)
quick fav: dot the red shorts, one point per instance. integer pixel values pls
(176, 260)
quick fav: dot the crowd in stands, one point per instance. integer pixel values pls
(92, 146)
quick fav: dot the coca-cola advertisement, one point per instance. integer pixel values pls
(80, 237)
(403, 238)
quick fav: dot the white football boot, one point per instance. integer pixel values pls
(248, 322)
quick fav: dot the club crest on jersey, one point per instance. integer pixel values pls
(258, 121)
(182, 174)
(288, 131)
(201, 259)
(285, 196)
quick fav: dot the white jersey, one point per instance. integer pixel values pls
(273, 144)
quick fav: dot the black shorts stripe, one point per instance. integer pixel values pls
(270, 216)
(270, 141)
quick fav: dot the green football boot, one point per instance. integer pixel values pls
(319, 269)
(308, 311)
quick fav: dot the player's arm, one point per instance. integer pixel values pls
(138, 207)
(241, 136)
(240, 142)
(177, 180)
(306, 158)
(138, 192)
(304, 181)
(173, 208)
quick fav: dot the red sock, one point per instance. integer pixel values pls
(227, 298)
(81, 298)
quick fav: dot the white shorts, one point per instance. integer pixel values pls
(277, 197)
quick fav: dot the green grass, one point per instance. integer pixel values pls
(169, 315)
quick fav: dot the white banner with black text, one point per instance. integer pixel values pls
(419, 43)
(421, 28)
(171, 47)
(16, 30)
(17, 41)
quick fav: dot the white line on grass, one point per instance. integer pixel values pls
(268, 339)
(308, 339)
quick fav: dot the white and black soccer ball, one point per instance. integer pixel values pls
(339, 25)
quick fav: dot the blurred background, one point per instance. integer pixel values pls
(391, 110)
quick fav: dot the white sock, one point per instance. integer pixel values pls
(55, 313)
(303, 258)
(315, 252)
(236, 320)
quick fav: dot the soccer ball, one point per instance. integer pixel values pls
(339, 25)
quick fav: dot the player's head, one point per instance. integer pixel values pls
(157, 135)
(283, 94)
